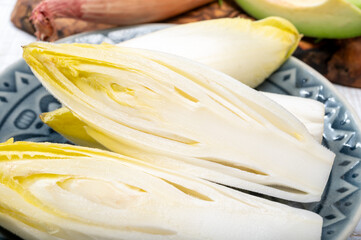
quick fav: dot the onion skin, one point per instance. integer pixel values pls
(111, 12)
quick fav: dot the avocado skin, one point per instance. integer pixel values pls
(326, 19)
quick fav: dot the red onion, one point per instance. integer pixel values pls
(118, 12)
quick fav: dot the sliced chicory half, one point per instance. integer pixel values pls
(185, 116)
(58, 191)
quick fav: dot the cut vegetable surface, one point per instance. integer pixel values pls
(308, 111)
(235, 46)
(56, 191)
(179, 114)
(314, 18)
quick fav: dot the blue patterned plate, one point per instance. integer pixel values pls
(22, 99)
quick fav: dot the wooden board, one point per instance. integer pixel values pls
(337, 60)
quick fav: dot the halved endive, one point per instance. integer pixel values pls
(181, 115)
(235, 46)
(56, 191)
(309, 112)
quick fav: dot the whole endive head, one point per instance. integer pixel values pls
(246, 50)
(55, 191)
(198, 120)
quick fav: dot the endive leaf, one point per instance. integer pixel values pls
(309, 112)
(56, 191)
(72, 128)
(247, 50)
(185, 116)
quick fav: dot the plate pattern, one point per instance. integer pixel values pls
(341, 135)
(22, 99)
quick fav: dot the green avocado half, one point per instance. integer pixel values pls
(313, 18)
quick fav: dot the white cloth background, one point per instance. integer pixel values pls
(11, 40)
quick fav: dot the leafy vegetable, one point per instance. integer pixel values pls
(308, 111)
(72, 128)
(235, 46)
(181, 115)
(56, 191)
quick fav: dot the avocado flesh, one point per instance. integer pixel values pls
(320, 18)
(355, 2)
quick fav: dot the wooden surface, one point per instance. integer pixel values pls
(338, 60)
